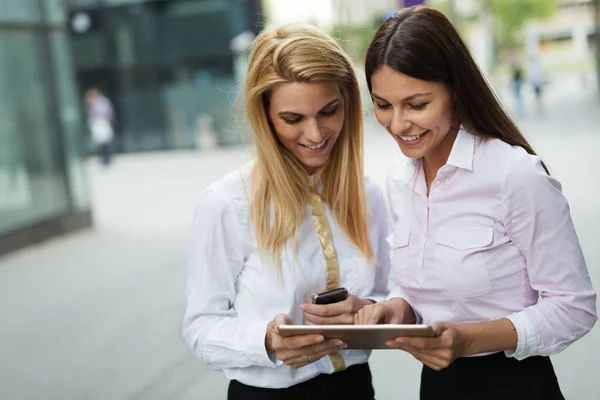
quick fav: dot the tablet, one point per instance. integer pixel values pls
(359, 336)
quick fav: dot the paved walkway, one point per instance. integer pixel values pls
(96, 315)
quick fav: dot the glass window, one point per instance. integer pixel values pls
(55, 11)
(32, 184)
(89, 51)
(82, 3)
(20, 11)
(121, 2)
(142, 28)
(198, 30)
(70, 112)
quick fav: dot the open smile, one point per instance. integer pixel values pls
(413, 140)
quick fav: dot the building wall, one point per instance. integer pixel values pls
(42, 184)
(166, 65)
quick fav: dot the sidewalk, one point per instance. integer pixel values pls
(96, 315)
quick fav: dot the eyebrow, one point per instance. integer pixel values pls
(332, 102)
(407, 98)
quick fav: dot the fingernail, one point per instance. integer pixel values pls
(338, 343)
(319, 339)
(390, 343)
(303, 307)
(399, 340)
(344, 346)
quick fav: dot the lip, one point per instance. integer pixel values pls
(317, 152)
(412, 143)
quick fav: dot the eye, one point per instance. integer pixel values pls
(292, 121)
(420, 106)
(382, 106)
(329, 112)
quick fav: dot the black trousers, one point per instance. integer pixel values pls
(493, 377)
(352, 383)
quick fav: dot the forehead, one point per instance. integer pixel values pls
(387, 82)
(303, 98)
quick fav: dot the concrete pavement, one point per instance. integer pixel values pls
(96, 315)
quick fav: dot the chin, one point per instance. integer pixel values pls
(313, 164)
(411, 153)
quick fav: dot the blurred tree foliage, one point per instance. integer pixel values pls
(354, 39)
(510, 17)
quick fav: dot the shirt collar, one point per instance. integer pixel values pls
(461, 156)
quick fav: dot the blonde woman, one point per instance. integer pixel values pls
(298, 219)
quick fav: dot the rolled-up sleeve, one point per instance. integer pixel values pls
(539, 223)
(211, 326)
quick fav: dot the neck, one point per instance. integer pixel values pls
(439, 156)
(311, 171)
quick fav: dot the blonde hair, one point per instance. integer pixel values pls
(303, 53)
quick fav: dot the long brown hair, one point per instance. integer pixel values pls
(420, 42)
(280, 185)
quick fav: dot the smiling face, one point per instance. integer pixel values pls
(417, 113)
(308, 119)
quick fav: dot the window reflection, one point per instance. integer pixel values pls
(32, 186)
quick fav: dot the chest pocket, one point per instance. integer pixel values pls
(406, 274)
(462, 260)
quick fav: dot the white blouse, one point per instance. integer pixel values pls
(232, 294)
(493, 238)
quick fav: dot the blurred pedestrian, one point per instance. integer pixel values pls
(535, 74)
(517, 83)
(101, 118)
(299, 219)
(483, 246)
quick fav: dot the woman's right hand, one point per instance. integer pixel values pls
(298, 351)
(393, 311)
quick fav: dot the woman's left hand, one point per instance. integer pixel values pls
(341, 313)
(450, 343)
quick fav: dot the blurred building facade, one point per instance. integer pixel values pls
(42, 182)
(168, 66)
(363, 13)
(570, 34)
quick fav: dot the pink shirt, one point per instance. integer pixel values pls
(493, 239)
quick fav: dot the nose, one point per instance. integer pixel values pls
(312, 131)
(399, 124)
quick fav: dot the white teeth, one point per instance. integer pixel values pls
(318, 146)
(410, 138)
